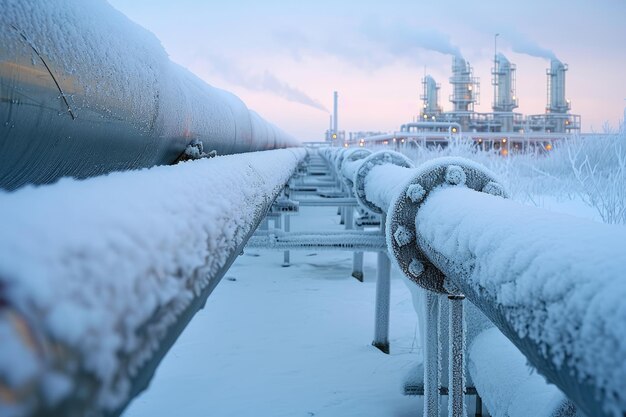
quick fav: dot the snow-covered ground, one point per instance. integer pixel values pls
(293, 341)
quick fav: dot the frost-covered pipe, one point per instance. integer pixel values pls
(375, 196)
(348, 240)
(446, 173)
(384, 182)
(553, 284)
(99, 277)
(349, 169)
(353, 160)
(86, 91)
(507, 383)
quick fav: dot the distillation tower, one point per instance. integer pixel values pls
(504, 96)
(465, 94)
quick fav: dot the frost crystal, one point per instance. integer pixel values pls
(416, 193)
(403, 236)
(455, 175)
(494, 188)
(416, 268)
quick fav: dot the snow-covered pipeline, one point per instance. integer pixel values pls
(98, 277)
(552, 283)
(85, 91)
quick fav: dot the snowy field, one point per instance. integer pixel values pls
(295, 341)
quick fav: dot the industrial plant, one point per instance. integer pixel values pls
(466, 94)
(501, 129)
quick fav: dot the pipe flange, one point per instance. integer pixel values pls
(378, 158)
(355, 155)
(401, 233)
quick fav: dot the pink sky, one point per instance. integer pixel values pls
(285, 60)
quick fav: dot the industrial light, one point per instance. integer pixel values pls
(425, 116)
(334, 136)
(549, 147)
(345, 145)
(503, 140)
(454, 130)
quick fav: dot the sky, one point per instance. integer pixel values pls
(285, 59)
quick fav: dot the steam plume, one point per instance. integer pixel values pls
(265, 81)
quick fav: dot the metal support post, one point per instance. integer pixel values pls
(357, 262)
(444, 342)
(456, 401)
(431, 356)
(287, 225)
(383, 290)
(349, 218)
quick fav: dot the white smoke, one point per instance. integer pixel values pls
(401, 39)
(521, 44)
(260, 81)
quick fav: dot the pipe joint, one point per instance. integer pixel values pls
(378, 158)
(401, 230)
(353, 156)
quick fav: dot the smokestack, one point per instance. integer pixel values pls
(335, 112)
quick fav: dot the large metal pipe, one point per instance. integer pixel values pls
(104, 96)
(99, 278)
(553, 284)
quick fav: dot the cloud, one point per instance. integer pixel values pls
(263, 81)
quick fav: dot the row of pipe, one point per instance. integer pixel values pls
(386, 183)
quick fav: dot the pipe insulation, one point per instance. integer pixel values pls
(384, 182)
(374, 199)
(85, 91)
(98, 277)
(552, 283)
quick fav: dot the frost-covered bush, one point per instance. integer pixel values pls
(587, 168)
(598, 168)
